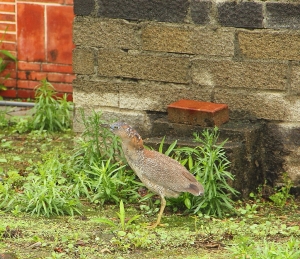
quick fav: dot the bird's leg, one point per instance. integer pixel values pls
(162, 207)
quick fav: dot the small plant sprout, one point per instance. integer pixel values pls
(123, 225)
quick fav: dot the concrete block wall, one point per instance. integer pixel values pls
(39, 34)
(134, 57)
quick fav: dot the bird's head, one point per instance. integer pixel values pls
(127, 134)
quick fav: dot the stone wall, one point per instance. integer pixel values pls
(134, 57)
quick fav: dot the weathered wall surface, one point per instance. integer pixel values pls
(134, 57)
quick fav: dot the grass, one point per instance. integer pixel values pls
(184, 237)
(261, 229)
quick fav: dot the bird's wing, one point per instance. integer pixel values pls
(169, 173)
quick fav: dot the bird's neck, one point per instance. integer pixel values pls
(133, 156)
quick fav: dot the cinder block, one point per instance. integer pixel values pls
(106, 33)
(205, 114)
(142, 66)
(270, 44)
(163, 11)
(194, 40)
(247, 74)
(243, 15)
(138, 119)
(164, 38)
(295, 79)
(83, 61)
(283, 15)
(83, 7)
(200, 11)
(90, 93)
(155, 96)
(274, 106)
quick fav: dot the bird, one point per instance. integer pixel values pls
(160, 173)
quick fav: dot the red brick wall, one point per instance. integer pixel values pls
(40, 35)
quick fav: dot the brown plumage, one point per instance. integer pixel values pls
(160, 173)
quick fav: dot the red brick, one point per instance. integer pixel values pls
(7, 8)
(7, 27)
(69, 2)
(12, 1)
(25, 94)
(8, 36)
(9, 82)
(26, 84)
(10, 65)
(205, 114)
(23, 65)
(57, 68)
(65, 88)
(59, 34)
(31, 20)
(7, 17)
(63, 78)
(44, 1)
(32, 75)
(10, 93)
(9, 73)
(8, 45)
(51, 77)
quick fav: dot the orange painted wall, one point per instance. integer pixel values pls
(39, 33)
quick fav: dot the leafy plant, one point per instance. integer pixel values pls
(5, 55)
(210, 165)
(46, 192)
(3, 120)
(248, 248)
(283, 194)
(96, 143)
(23, 125)
(106, 184)
(99, 156)
(6, 196)
(51, 113)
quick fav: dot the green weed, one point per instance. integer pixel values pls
(46, 191)
(248, 248)
(210, 165)
(53, 114)
(99, 156)
(4, 122)
(96, 143)
(282, 195)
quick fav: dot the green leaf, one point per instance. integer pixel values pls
(3, 160)
(187, 203)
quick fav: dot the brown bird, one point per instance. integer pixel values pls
(160, 173)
